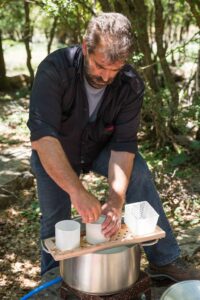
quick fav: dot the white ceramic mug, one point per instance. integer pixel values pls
(67, 235)
(94, 233)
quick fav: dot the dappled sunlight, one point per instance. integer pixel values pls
(4, 159)
(20, 275)
(9, 172)
(189, 235)
(25, 267)
(3, 280)
(166, 57)
(12, 212)
(27, 283)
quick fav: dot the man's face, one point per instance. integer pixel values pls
(100, 72)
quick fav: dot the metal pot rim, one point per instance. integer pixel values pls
(177, 285)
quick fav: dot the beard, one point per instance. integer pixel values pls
(95, 81)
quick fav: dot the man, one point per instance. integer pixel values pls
(84, 115)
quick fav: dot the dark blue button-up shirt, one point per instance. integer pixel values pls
(59, 108)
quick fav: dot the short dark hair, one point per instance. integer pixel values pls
(112, 32)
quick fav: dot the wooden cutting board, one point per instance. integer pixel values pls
(123, 237)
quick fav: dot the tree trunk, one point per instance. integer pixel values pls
(106, 6)
(27, 36)
(159, 31)
(197, 92)
(197, 85)
(136, 11)
(195, 9)
(139, 19)
(198, 134)
(121, 7)
(52, 33)
(3, 79)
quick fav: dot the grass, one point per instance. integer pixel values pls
(18, 66)
(17, 50)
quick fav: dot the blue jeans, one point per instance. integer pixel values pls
(55, 206)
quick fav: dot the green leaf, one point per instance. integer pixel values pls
(195, 145)
(179, 159)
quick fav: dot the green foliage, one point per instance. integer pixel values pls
(179, 159)
(12, 18)
(59, 7)
(137, 58)
(97, 185)
(195, 145)
(176, 12)
(32, 213)
(189, 116)
(157, 159)
(73, 16)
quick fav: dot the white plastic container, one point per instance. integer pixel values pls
(140, 218)
(94, 233)
(67, 235)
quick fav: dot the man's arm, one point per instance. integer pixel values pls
(57, 166)
(120, 167)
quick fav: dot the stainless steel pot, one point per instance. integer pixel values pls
(185, 290)
(103, 272)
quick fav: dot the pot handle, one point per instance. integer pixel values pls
(44, 247)
(151, 243)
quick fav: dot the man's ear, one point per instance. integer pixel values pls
(84, 47)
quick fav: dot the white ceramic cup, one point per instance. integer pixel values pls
(94, 233)
(67, 235)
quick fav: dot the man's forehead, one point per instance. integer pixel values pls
(101, 60)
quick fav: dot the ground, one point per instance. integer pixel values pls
(19, 212)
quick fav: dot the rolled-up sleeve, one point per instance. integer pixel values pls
(128, 121)
(45, 103)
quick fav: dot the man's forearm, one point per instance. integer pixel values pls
(56, 164)
(120, 168)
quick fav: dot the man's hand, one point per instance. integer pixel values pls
(87, 206)
(120, 167)
(113, 211)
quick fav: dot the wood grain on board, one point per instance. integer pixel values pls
(123, 237)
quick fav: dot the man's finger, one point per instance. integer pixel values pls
(112, 231)
(112, 227)
(96, 213)
(107, 222)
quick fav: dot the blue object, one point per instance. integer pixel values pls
(42, 287)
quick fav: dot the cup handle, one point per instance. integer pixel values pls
(151, 243)
(44, 247)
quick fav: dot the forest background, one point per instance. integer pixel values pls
(166, 54)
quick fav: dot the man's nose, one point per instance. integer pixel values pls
(105, 75)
